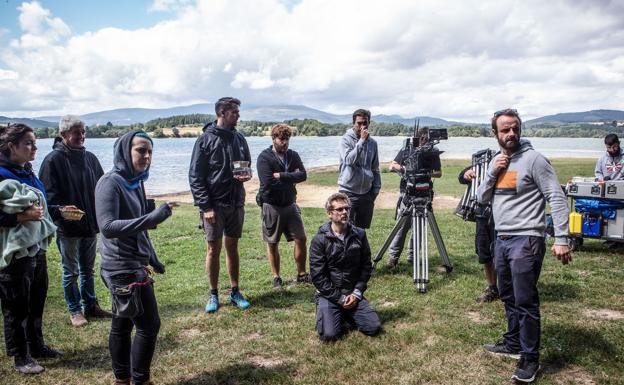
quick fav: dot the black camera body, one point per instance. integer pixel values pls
(416, 162)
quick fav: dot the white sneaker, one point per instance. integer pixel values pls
(78, 320)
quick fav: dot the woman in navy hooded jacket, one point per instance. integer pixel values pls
(24, 282)
(124, 216)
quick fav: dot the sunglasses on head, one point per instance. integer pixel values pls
(506, 111)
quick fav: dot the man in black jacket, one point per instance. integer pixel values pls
(340, 267)
(279, 169)
(69, 174)
(219, 193)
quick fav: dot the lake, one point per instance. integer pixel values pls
(169, 170)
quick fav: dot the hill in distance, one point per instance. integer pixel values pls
(34, 123)
(580, 117)
(271, 113)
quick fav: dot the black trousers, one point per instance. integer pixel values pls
(23, 292)
(362, 205)
(330, 315)
(518, 265)
(133, 359)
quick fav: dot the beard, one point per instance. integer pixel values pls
(512, 145)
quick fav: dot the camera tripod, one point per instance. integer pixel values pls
(417, 210)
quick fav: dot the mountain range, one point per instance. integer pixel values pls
(278, 113)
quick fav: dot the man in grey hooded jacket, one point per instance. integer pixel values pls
(359, 169)
(518, 182)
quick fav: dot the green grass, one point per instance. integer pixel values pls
(428, 338)
(448, 183)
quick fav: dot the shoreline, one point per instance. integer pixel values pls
(310, 195)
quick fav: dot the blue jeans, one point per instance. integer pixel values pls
(518, 262)
(78, 258)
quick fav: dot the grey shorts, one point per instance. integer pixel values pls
(228, 222)
(277, 220)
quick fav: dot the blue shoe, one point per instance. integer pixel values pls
(213, 303)
(237, 299)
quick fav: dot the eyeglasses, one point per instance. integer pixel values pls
(342, 209)
(506, 111)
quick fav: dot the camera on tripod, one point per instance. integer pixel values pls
(419, 153)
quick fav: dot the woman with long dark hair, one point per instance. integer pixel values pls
(124, 215)
(23, 266)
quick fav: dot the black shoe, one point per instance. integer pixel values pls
(95, 311)
(303, 278)
(45, 352)
(526, 370)
(26, 365)
(392, 262)
(277, 283)
(488, 295)
(501, 349)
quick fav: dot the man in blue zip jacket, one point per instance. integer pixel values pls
(279, 169)
(359, 169)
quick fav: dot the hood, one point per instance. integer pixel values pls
(62, 147)
(6, 163)
(216, 130)
(525, 145)
(122, 160)
(352, 134)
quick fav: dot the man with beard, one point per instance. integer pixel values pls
(220, 195)
(279, 169)
(340, 267)
(609, 166)
(359, 169)
(518, 182)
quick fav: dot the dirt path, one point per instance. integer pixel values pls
(309, 195)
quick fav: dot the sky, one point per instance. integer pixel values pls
(457, 60)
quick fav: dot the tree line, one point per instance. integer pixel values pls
(312, 127)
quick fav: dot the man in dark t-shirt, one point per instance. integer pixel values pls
(431, 163)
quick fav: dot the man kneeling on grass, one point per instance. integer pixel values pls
(340, 267)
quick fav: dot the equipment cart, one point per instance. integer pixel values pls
(596, 210)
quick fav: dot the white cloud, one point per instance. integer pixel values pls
(168, 5)
(454, 59)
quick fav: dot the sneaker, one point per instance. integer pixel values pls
(277, 283)
(501, 349)
(488, 295)
(78, 320)
(237, 299)
(526, 370)
(45, 352)
(392, 262)
(95, 311)
(213, 303)
(303, 278)
(26, 365)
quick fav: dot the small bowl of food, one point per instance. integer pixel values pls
(72, 213)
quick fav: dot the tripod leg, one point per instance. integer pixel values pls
(439, 241)
(416, 251)
(388, 241)
(425, 242)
